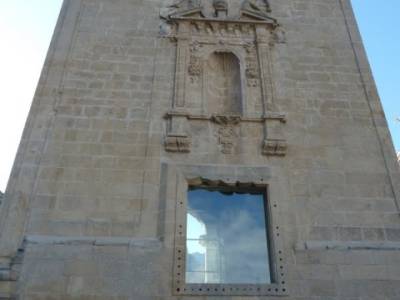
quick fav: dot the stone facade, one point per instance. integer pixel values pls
(123, 117)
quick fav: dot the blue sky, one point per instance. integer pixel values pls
(26, 27)
(381, 34)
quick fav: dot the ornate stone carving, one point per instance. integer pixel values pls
(275, 147)
(249, 47)
(252, 74)
(223, 67)
(195, 66)
(226, 131)
(177, 143)
(185, 4)
(218, 9)
(195, 47)
(226, 138)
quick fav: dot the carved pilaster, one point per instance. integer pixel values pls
(182, 54)
(177, 139)
(264, 61)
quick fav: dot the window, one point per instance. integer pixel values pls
(227, 233)
(227, 238)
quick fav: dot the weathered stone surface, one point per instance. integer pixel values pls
(125, 116)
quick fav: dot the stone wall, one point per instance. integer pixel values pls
(88, 215)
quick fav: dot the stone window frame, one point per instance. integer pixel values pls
(196, 37)
(177, 180)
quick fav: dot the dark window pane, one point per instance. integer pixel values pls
(226, 238)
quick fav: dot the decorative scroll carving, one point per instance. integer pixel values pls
(180, 5)
(177, 143)
(249, 47)
(226, 120)
(257, 6)
(275, 147)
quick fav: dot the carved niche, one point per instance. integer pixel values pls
(223, 71)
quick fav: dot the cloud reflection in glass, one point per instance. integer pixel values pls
(226, 238)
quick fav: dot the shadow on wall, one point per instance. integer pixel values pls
(1, 197)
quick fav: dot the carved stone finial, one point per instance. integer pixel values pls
(221, 8)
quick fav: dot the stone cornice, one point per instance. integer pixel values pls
(92, 240)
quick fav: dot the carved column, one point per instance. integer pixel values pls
(180, 69)
(177, 139)
(274, 142)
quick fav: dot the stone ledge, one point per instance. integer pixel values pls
(348, 245)
(95, 241)
(271, 116)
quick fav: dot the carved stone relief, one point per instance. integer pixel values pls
(223, 68)
(226, 138)
(195, 68)
(226, 131)
(252, 74)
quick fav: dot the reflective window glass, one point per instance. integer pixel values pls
(227, 240)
